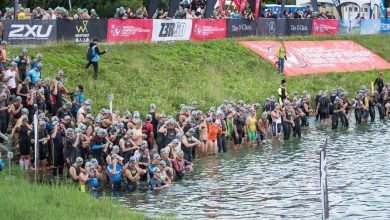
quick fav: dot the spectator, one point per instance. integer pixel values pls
(120, 12)
(22, 14)
(37, 13)
(297, 14)
(141, 13)
(94, 15)
(180, 14)
(160, 14)
(46, 16)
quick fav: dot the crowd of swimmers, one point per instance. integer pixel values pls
(122, 149)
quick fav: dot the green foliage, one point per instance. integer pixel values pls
(169, 74)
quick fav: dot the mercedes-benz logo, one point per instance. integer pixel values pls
(271, 27)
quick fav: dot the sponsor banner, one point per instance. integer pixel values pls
(271, 27)
(31, 32)
(82, 31)
(171, 30)
(298, 27)
(370, 26)
(385, 26)
(208, 29)
(119, 30)
(312, 57)
(240, 28)
(325, 27)
(349, 27)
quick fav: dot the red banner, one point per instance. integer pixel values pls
(129, 30)
(208, 29)
(313, 57)
(258, 2)
(325, 27)
(221, 5)
(242, 5)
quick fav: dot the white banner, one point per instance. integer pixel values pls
(171, 30)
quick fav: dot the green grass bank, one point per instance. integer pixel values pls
(209, 72)
(21, 199)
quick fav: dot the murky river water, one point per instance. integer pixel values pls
(282, 181)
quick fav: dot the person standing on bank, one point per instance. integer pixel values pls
(281, 57)
(93, 57)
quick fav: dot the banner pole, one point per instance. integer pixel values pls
(36, 144)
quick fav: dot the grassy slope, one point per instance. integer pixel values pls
(21, 199)
(173, 73)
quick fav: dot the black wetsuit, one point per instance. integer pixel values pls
(143, 158)
(58, 159)
(131, 185)
(171, 134)
(160, 138)
(335, 115)
(188, 150)
(297, 129)
(287, 125)
(371, 108)
(358, 111)
(24, 140)
(126, 155)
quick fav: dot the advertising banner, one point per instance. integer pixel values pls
(325, 27)
(271, 27)
(240, 28)
(208, 29)
(370, 26)
(171, 30)
(128, 30)
(81, 31)
(312, 57)
(30, 32)
(385, 26)
(349, 27)
(300, 27)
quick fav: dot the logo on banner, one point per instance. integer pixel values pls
(25, 31)
(177, 29)
(82, 28)
(385, 27)
(299, 27)
(207, 30)
(271, 27)
(126, 31)
(324, 28)
(241, 27)
(82, 33)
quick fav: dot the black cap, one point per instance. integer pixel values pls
(283, 81)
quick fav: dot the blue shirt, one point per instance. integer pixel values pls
(150, 169)
(79, 99)
(115, 178)
(33, 64)
(155, 183)
(34, 75)
(95, 57)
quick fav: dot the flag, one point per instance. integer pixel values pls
(258, 2)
